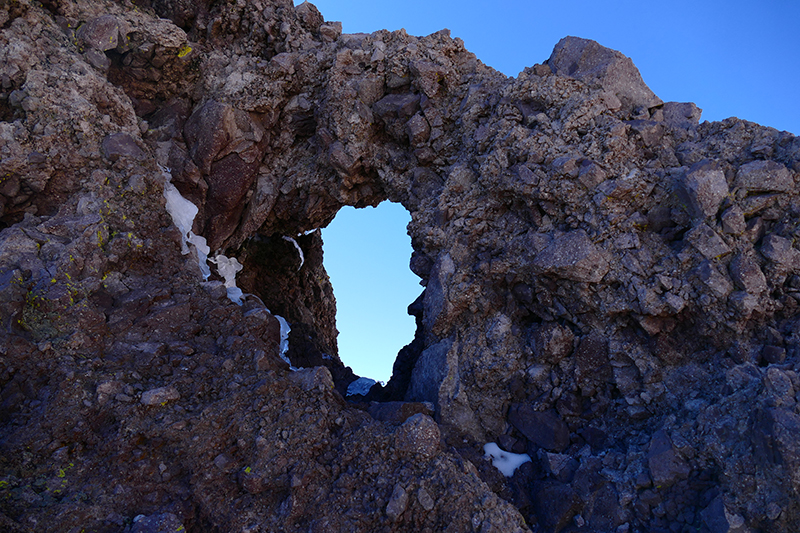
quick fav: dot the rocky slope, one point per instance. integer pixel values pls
(610, 286)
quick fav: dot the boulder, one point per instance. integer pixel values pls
(705, 188)
(543, 428)
(747, 275)
(102, 33)
(592, 63)
(418, 436)
(119, 145)
(681, 114)
(764, 176)
(572, 256)
(666, 466)
(552, 342)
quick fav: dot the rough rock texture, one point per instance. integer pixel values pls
(610, 286)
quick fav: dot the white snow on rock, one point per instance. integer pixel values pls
(285, 329)
(183, 212)
(360, 386)
(299, 250)
(228, 268)
(504, 461)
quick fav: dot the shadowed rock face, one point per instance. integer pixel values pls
(610, 286)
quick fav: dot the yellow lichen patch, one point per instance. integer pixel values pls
(185, 50)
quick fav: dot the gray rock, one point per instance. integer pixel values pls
(733, 222)
(650, 131)
(216, 289)
(764, 176)
(552, 342)
(591, 175)
(97, 59)
(566, 166)
(224, 462)
(592, 63)
(397, 503)
(719, 284)
(418, 129)
(160, 523)
(572, 256)
(773, 355)
(545, 429)
(425, 499)
(559, 465)
(718, 519)
(316, 378)
(434, 300)
(681, 114)
(310, 16)
(428, 76)
(705, 188)
(160, 396)
(345, 163)
(780, 250)
(119, 145)
(419, 436)
(429, 372)
(101, 33)
(707, 242)
(743, 302)
(666, 466)
(747, 275)
(397, 106)
(330, 31)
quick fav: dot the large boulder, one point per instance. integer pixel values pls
(592, 63)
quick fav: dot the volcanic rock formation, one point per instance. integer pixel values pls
(609, 286)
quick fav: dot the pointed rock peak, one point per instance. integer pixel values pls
(592, 63)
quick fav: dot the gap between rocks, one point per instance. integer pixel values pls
(367, 253)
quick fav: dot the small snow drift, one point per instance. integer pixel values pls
(506, 462)
(360, 386)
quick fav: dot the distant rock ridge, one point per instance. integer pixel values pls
(611, 286)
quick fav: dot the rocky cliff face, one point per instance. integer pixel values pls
(610, 286)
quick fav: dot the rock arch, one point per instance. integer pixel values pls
(610, 284)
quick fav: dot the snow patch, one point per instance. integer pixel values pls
(285, 329)
(228, 268)
(360, 386)
(504, 461)
(299, 250)
(183, 212)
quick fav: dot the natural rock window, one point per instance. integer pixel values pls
(366, 256)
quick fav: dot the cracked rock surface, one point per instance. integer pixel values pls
(610, 286)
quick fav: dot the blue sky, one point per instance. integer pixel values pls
(731, 58)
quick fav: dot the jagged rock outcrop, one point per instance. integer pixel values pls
(610, 286)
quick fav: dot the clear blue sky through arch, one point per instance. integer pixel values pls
(730, 57)
(366, 253)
